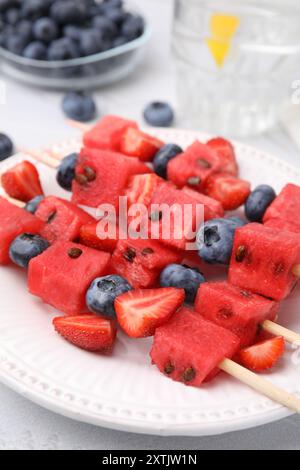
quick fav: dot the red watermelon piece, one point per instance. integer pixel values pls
(235, 309)
(193, 167)
(170, 204)
(141, 188)
(286, 205)
(102, 176)
(226, 153)
(107, 133)
(14, 222)
(189, 348)
(283, 225)
(140, 261)
(88, 236)
(232, 192)
(62, 219)
(62, 274)
(263, 260)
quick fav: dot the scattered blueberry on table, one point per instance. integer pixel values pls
(65, 29)
(6, 147)
(79, 106)
(159, 114)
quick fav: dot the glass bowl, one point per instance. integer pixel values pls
(82, 73)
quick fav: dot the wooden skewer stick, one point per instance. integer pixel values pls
(78, 125)
(43, 157)
(260, 385)
(278, 330)
(296, 270)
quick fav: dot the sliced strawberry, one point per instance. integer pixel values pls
(89, 332)
(140, 312)
(22, 182)
(141, 188)
(232, 192)
(89, 236)
(136, 143)
(225, 151)
(262, 356)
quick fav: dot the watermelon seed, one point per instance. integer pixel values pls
(74, 253)
(240, 253)
(147, 251)
(81, 179)
(129, 255)
(279, 268)
(194, 181)
(156, 216)
(89, 173)
(203, 163)
(169, 368)
(189, 374)
(225, 313)
(51, 217)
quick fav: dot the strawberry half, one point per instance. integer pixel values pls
(88, 236)
(225, 151)
(232, 192)
(136, 143)
(141, 311)
(22, 182)
(89, 332)
(141, 188)
(262, 356)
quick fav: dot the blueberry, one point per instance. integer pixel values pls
(7, 4)
(35, 50)
(102, 293)
(113, 3)
(183, 277)
(33, 204)
(159, 114)
(25, 247)
(24, 29)
(116, 15)
(120, 41)
(79, 106)
(215, 239)
(34, 9)
(90, 42)
(106, 27)
(45, 29)
(66, 171)
(15, 44)
(162, 158)
(258, 202)
(63, 49)
(12, 16)
(133, 27)
(69, 11)
(6, 147)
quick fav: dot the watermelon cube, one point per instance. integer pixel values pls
(286, 205)
(283, 225)
(174, 216)
(14, 222)
(102, 176)
(140, 261)
(263, 260)
(226, 154)
(189, 348)
(235, 309)
(62, 274)
(141, 188)
(107, 133)
(193, 167)
(213, 209)
(62, 219)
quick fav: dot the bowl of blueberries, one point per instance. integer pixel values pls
(69, 44)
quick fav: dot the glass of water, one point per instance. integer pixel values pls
(235, 62)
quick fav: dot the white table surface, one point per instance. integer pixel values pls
(34, 118)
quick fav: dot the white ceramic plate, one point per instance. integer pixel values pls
(125, 391)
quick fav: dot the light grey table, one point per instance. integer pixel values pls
(34, 118)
